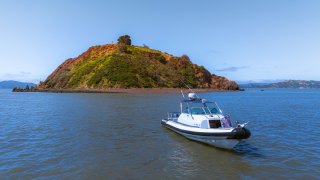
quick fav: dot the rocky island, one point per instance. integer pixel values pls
(124, 67)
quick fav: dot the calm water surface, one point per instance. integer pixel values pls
(119, 136)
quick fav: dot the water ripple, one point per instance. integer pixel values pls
(119, 136)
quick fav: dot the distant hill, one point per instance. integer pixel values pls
(12, 84)
(287, 84)
(259, 81)
(250, 84)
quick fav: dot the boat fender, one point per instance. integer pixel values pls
(247, 133)
(240, 133)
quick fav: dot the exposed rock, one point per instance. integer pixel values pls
(63, 66)
(231, 85)
(218, 82)
(27, 87)
(17, 89)
(203, 77)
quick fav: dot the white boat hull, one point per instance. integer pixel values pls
(208, 136)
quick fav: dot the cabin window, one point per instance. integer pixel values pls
(215, 123)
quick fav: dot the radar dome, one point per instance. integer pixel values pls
(192, 96)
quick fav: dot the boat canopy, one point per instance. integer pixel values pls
(190, 101)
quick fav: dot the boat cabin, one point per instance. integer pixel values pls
(200, 113)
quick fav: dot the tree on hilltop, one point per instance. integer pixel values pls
(124, 40)
(185, 57)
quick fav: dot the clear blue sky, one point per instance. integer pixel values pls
(241, 40)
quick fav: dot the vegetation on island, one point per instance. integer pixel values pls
(123, 65)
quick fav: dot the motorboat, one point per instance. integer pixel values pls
(203, 121)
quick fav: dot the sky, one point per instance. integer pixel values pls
(245, 41)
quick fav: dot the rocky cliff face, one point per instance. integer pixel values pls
(103, 67)
(219, 82)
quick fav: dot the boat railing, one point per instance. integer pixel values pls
(173, 116)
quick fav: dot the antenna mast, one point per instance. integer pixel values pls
(182, 95)
(189, 88)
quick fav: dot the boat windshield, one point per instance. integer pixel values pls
(201, 111)
(212, 110)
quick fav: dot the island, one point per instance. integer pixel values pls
(123, 67)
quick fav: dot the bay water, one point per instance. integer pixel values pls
(119, 136)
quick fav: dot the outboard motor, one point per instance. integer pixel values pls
(192, 96)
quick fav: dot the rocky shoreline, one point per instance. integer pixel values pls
(133, 90)
(19, 89)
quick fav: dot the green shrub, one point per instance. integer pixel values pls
(161, 59)
(82, 71)
(122, 48)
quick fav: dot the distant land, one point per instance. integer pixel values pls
(125, 66)
(287, 84)
(12, 84)
(251, 84)
(259, 81)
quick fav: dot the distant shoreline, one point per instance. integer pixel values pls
(134, 90)
(287, 84)
(282, 88)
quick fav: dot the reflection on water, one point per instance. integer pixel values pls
(119, 136)
(248, 150)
